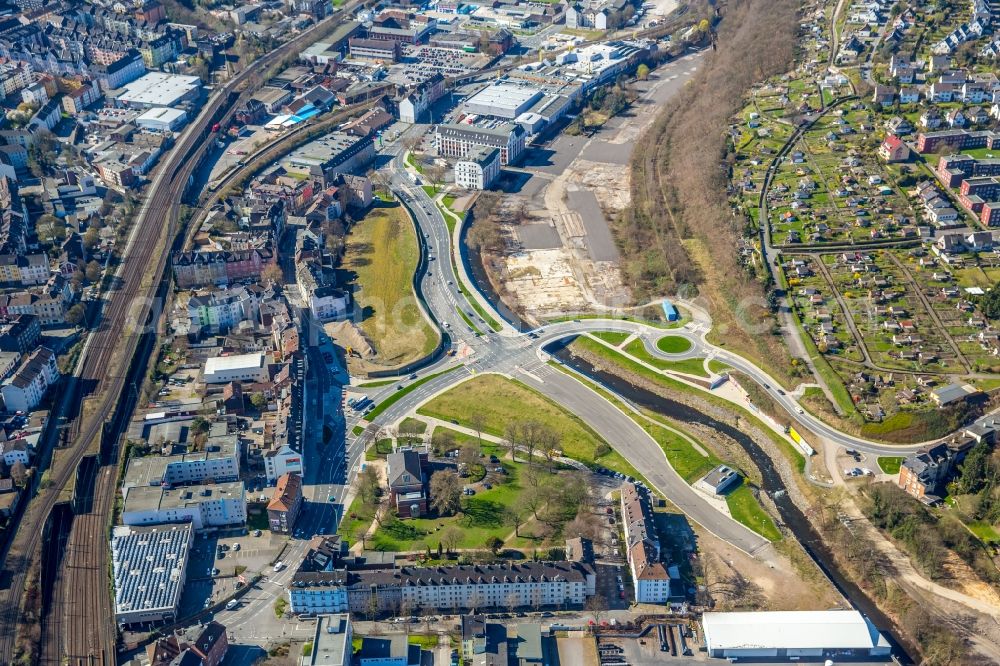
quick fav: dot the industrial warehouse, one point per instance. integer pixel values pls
(792, 635)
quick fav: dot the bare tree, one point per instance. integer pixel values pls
(446, 492)
(451, 537)
(512, 436)
(19, 474)
(470, 454)
(478, 422)
(597, 605)
(514, 516)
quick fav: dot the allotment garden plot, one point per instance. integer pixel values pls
(830, 188)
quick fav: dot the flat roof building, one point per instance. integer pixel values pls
(460, 139)
(719, 480)
(784, 634)
(217, 505)
(331, 645)
(218, 462)
(479, 169)
(236, 368)
(390, 651)
(335, 152)
(148, 567)
(160, 89)
(503, 100)
(162, 119)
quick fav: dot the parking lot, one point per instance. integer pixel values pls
(211, 578)
(675, 643)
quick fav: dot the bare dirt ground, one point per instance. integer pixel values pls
(772, 582)
(581, 183)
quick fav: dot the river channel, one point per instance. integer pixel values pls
(771, 482)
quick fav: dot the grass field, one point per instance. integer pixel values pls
(413, 425)
(481, 517)
(381, 257)
(376, 384)
(890, 464)
(744, 508)
(984, 532)
(380, 449)
(673, 344)
(717, 367)
(628, 365)
(690, 366)
(682, 455)
(612, 337)
(501, 401)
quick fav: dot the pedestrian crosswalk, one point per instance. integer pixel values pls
(537, 370)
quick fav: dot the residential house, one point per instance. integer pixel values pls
(286, 502)
(405, 471)
(924, 473)
(200, 644)
(893, 149)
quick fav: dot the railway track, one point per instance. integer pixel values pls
(80, 627)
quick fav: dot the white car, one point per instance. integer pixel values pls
(279, 565)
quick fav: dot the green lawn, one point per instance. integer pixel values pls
(691, 366)
(683, 456)
(425, 641)
(890, 464)
(673, 344)
(501, 401)
(412, 160)
(654, 322)
(356, 517)
(718, 367)
(481, 518)
(380, 449)
(612, 337)
(380, 258)
(357, 430)
(744, 508)
(413, 425)
(376, 384)
(395, 397)
(984, 532)
(629, 366)
(468, 322)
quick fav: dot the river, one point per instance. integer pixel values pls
(771, 483)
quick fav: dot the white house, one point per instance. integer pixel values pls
(23, 390)
(479, 169)
(218, 311)
(16, 451)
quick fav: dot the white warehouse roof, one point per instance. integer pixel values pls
(162, 114)
(237, 362)
(845, 630)
(503, 100)
(159, 89)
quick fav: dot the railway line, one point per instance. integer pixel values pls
(79, 627)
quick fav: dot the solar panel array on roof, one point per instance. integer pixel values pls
(148, 566)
